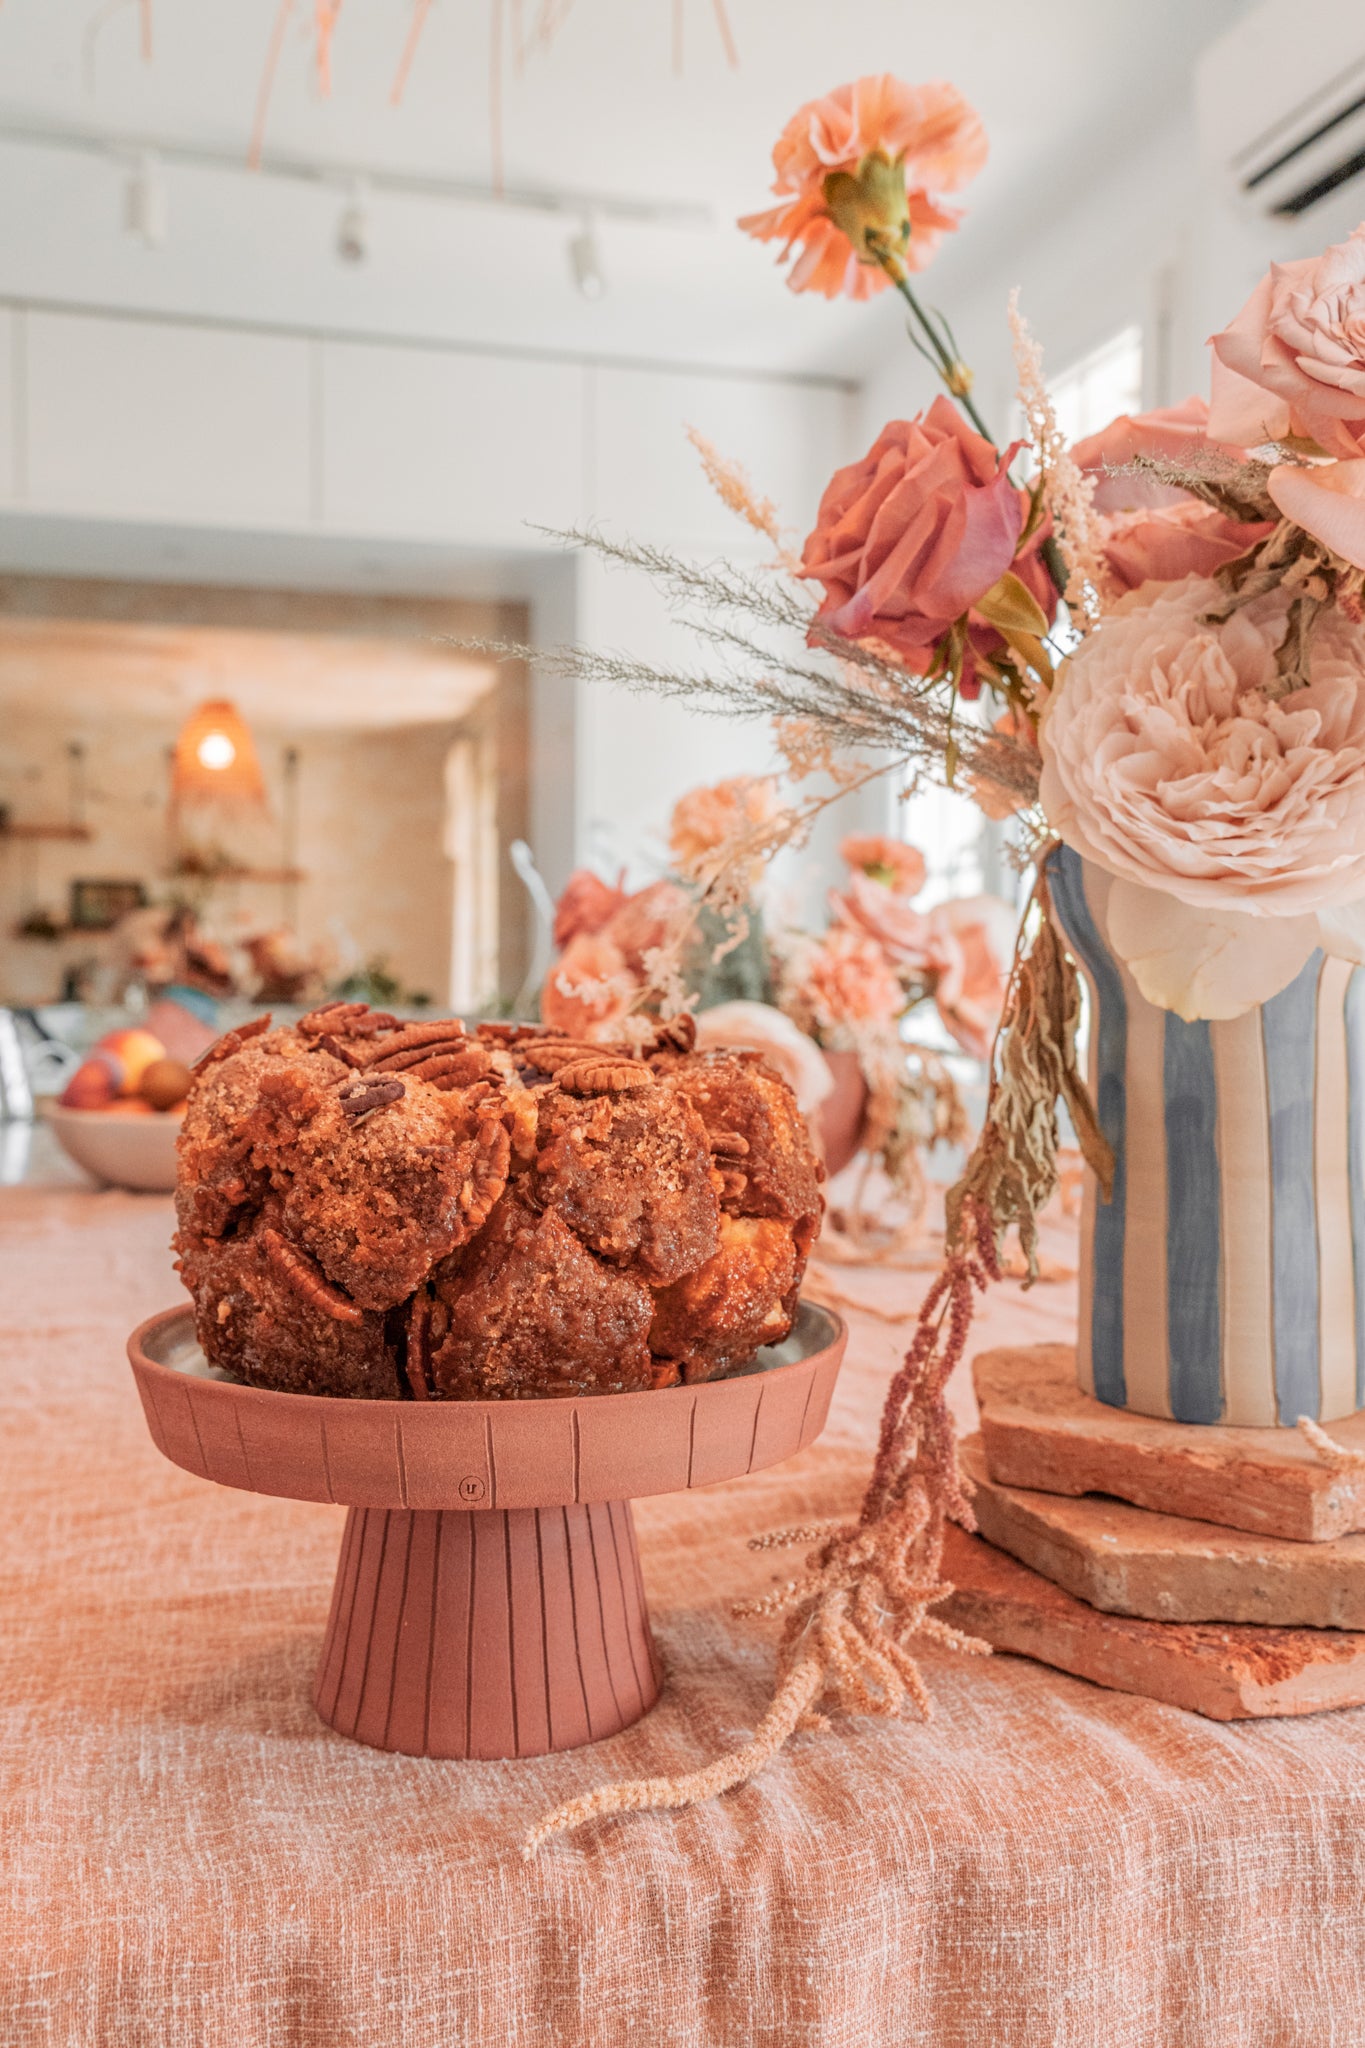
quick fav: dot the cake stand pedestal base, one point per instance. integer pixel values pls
(494, 1632)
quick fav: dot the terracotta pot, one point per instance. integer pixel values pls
(488, 1600)
(1225, 1280)
(844, 1112)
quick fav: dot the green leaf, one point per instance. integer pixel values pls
(1011, 607)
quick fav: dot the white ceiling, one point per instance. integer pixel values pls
(1060, 84)
(278, 680)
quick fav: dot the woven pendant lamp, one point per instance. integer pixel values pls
(215, 759)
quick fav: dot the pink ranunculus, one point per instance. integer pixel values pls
(1233, 816)
(1166, 543)
(908, 539)
(1327, 499)
(586, 903)
(1293, 361)
(977, 936)
(646, 920)
(892, 861)
(589, 990)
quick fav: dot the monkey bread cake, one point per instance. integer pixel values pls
(390, 1210)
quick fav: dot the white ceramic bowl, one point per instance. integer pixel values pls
(123, 1151)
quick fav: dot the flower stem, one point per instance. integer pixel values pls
(949, 367)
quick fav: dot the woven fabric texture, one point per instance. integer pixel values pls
(191, 1860)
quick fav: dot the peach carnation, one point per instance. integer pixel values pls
(868, 158)
(892, 861)
(1232, 815)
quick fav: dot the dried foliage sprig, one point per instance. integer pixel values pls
(1068, 495)
(869, 1587)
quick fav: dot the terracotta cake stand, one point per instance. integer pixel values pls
(488, 1600)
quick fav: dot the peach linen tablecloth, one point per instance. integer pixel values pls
(191, 1860)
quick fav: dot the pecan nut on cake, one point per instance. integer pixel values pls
(391, 1210)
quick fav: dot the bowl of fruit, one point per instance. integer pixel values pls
(119, 1114)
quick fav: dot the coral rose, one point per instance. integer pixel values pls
(908, 937)
(892, 861)
(1173, 433)
(586, 903)
(907, 540)
(589, 990)
(1293, 361)
(1233, 816)
(709, 825)
(868, 157)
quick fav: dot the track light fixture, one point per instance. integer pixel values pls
(146, 207)
(585, 260)
(353, 228)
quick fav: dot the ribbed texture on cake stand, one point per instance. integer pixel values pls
(507, 1632)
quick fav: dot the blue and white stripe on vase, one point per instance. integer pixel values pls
(1225, 1279)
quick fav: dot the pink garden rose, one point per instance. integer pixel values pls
(1152, 531)
(1327, 499)
(905, 935)
(1293, 361)
(1233, 817)
(977, 937)
(908, 539)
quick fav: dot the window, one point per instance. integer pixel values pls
(1100, 386)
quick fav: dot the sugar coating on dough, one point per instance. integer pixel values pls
(375, 1209)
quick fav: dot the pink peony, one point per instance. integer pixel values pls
(892, 861)
(589, 990)
(907, 540)
(1233, 817)
(1293, 361)
(586, 903)
(892, 146)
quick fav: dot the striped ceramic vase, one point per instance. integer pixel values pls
(1225, 1280)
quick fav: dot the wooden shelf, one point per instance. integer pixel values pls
(75, 833)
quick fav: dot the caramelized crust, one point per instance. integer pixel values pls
(631, 1176)
(256, 1316)
(713, 1320)
(525, 1311)
(413, 1211)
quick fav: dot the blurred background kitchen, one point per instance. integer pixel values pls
(319, 324)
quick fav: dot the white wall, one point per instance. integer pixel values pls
(227, 434)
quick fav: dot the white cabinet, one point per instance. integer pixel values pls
(647, 479)
(444, 444)
(147, 419)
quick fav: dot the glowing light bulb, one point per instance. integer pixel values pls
(216, 750)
